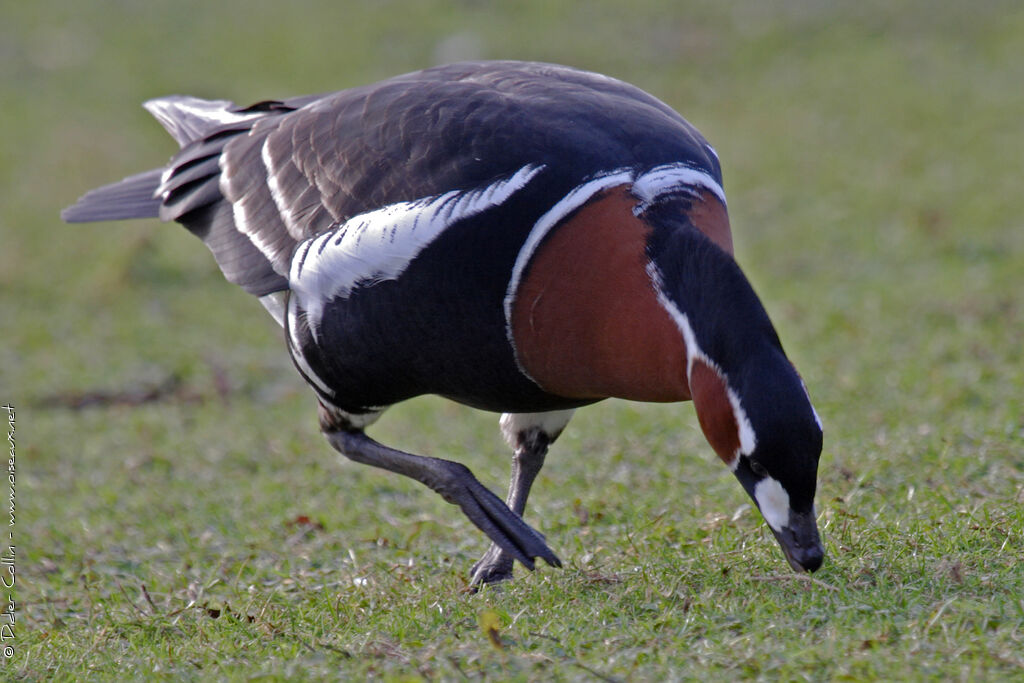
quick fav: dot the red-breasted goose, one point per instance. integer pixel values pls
(518, 237)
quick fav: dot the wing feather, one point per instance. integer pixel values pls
(255, 182)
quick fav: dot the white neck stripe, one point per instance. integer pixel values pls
(579, 196)
(669, 179)
(647, 188)
(748, 439)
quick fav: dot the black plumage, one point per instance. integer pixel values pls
(341, 154)
(390, 227)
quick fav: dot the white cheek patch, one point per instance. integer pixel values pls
(773, 501)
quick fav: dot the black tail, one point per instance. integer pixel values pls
(188, 189)
(133, 197)
(187, 119)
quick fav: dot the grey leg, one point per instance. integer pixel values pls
(530, 435)
(453, 481)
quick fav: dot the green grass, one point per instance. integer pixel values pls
(872, 157)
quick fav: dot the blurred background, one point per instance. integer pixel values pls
(871, 155)
(871, 152)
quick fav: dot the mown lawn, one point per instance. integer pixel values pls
(179, 516)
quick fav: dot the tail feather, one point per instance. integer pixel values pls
(133, 197)
(188, 119)
(188, 190)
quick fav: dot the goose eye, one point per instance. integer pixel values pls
(758, 469)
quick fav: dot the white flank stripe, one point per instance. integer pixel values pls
(669, 179)
(296, 350)
(773, 501)
(379, 245)
(308, 373)
(748, 440)
(293, 312)
(275, 191)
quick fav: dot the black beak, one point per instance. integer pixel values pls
(798, 532)
(800, 541)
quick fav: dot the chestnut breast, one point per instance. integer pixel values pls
(586, 318)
